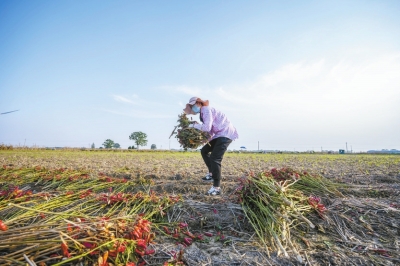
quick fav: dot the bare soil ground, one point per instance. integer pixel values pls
(361, 228)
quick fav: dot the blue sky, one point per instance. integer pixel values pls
(292, 75)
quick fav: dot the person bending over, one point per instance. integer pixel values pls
(222, 134)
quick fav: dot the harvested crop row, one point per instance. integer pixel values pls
(67, 222)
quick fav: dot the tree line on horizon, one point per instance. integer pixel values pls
(139, 138)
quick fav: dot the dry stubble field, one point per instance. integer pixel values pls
(361, 226)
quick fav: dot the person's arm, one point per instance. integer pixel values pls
(207, 120)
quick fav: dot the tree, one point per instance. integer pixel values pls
(116, 146)
(93, 146)
(139, 138)
(108, 144)
(131, 147)
(153, 147)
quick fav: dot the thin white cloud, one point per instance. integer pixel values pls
(120, 98)
(292, 72)
(232, 97)
(319, 83)
(136, 100)
(138, 114)
(192, 91)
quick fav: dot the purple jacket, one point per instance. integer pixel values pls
(216, 123)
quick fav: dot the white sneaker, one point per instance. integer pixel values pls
(214, 192)
(208, 178)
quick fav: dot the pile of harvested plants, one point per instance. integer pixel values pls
(188, 137)
(277, 201)
(55, 217)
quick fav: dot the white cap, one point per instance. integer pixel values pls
(193, 100)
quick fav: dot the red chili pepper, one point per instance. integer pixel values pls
(188, 240)
(167, 230)
(130, 264)
(189, 234)
(141, 243)
(88, 244)
(139, 252)
(136, 235)
(138, 230)
(181, 225)
(3, 226)
(121, 249)
(149, 252)
(380, 250)
(146, 229)
(64, 249)
(208, 234)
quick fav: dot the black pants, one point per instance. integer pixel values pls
(213, 161)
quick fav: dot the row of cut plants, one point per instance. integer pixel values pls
(55, 217)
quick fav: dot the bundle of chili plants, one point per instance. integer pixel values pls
(98, 241)
(64, 180)
(278, 201)
(109, 227)
(73, 215)
(46, 207)
(189, 137)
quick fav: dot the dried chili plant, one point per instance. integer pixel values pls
(277, 201)
(189, 137)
